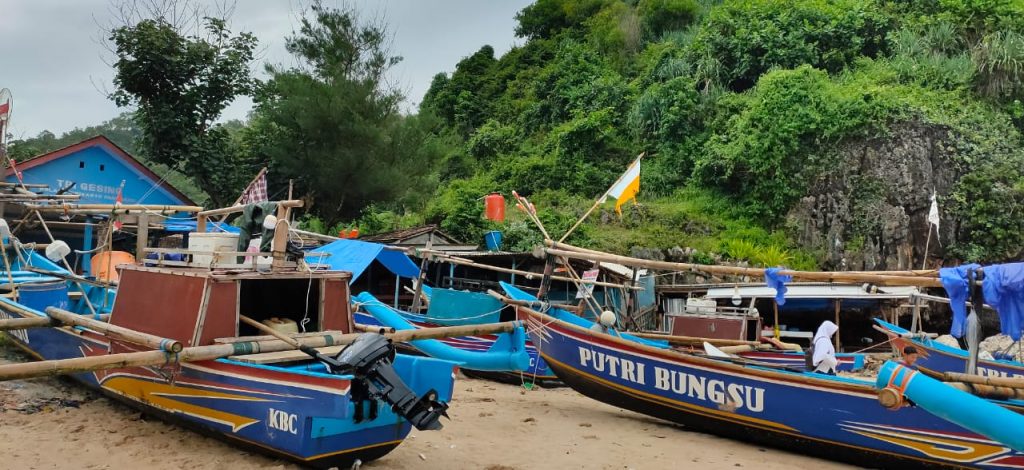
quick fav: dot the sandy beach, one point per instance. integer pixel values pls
(55, 423)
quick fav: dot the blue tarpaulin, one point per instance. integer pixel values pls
(1003, 288)
(355, 256)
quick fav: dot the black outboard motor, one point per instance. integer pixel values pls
(369, 358)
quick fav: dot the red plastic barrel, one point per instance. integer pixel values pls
(494, 207)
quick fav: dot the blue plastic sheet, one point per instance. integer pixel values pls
(355, 256)
(1003, 287)
(954, 280)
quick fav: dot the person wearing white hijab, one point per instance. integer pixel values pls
(824, 359)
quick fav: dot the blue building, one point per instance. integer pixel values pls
(96, 168)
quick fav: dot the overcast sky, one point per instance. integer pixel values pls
(52, 59)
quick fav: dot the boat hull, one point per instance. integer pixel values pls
(538, 372)
(834, 418)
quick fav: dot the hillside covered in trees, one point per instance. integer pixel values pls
(810, 133)
(805, 132)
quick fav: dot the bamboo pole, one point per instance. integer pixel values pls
(695, 340)
(108, 208)
(70, 277)
(215, 351)
(373, 329)
(905, 335)
(114, 331)
(518, 272)
(35, 321)
(1011, 382)
(837, 277)
(577, 309)
(4, 184)
(7, 324)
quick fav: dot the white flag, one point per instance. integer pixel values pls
(933, 213)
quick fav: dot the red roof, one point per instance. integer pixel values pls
(101, 141)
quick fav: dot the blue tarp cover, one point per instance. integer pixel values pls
(355, 256)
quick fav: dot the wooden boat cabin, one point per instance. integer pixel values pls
(196, 306)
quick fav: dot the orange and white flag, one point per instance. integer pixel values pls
(626, 187)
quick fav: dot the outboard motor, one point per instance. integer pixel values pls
(369, 358)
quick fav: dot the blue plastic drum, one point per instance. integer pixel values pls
(492, 240)
(41, 295)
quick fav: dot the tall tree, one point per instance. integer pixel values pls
(333, 123)
(181, 78)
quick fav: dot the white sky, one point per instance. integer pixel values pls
(52, 59)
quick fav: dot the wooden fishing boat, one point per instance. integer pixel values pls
(936, 357)
(325, 412)
(838, 418)
(535, 370)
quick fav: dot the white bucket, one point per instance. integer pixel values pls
(215, 242)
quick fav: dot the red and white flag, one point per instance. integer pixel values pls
(257, 190)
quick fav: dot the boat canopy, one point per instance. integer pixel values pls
(355, 256)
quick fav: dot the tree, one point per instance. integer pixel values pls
(333, 123)
(181, 78)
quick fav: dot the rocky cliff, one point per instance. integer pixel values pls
(869, 212)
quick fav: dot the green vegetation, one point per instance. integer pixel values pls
(741, 106)
(180, 82)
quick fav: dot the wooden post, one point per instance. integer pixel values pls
(775, 308)
(415, 307)
(915, 322)
(142, 237)
(545, 282)
(838, 343)
(201, 223)
(280, 243)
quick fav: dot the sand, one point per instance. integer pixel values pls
(57, 424)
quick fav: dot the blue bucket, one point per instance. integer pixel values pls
(40, 295)
(492, 240)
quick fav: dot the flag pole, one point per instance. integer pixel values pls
(596, 203)
(240, 196)
(924, 262)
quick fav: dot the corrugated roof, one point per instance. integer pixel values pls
(403, 234)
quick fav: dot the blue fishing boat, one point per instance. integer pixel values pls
(936, 357)
(445, 307)
(262, 395)
(833, 417)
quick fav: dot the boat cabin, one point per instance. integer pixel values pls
(198, 306)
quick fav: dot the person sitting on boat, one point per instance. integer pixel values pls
(824, 360)
(909, 356)
(605, 324)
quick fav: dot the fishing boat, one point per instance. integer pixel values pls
(186, 340)
(445, 308)
(939, 358)
(838, 418)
